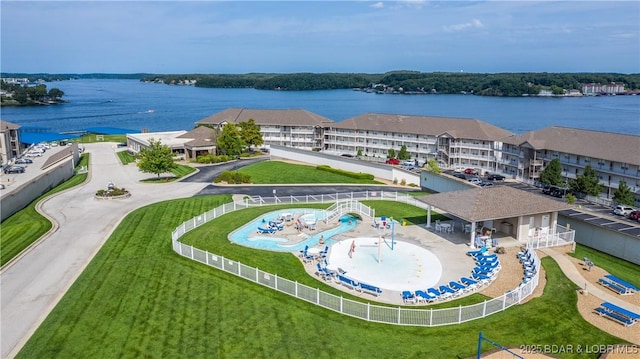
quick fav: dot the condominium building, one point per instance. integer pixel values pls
(291, 128)
(613, 156)
(9, 141)
(451, 141)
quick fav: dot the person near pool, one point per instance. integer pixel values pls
(321, 241)
(352, 248)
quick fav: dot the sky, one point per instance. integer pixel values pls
(237, 37)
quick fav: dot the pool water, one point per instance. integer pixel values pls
(276, 242)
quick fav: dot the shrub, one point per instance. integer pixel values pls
(403, 182)
(571, 199)
(395, 181)
(359, 175)
(205, 159)
(233, 177)
(221, 158)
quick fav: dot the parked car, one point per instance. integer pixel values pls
(459, 175)
(24, 161)
(635, 215)
(558, 192)
(485, 184)
(495, 177)
(623, 210)
(471, 171)
(475, 180)
(393, 161)
(459, 169)
(14, 169)
(34, 154)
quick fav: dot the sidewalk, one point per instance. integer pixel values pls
(574, 275)
(33, 285)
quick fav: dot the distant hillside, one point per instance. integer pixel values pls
(401, 82)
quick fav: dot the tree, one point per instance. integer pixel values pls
(229, 142)
(391, 153)
(403, 154)
(552, 174)
(157, 159)
(587, 182)
(623, 194)
(433, 166)
(56, 93)
(250, 133)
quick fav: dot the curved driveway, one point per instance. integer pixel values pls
(32, 285)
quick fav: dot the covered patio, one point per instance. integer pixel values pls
(520, 214)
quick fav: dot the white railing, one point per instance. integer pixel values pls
(365, 311)
(560, 237)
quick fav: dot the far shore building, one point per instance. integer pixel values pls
(10, 147)
(187, 145)
(451, 141)
(613, 156)
(292, 128)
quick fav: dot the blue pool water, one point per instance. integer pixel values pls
(277, 242)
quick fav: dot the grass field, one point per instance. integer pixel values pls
(139, 299)
(178, 172)
(620, 268)
(125, 157)
(26, 226)
(276, 172)
(89, 138)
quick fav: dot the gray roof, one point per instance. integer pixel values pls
(427, 125)
(8, 125)
(294, 117)
(595, 144)
(493, 203)
(202, 136)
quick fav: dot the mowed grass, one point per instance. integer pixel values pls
(620, 268)
(273, 172)
(125, 157)
(25, 226)
(137, 298)
(178, 172)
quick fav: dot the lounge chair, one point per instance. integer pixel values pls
(425, 297)
(444, 289)
(434, 292)
(370, 289)
(303, 252)
(348, 282)
(266, 230)
(408, 297)
(456, 286)
(477, 252)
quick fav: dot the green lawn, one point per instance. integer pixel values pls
(178, 172)
(125, 157)
(26, 226)
(620, 268)
(272, 172)
(91, 137)
(400, 211)
(139, 299)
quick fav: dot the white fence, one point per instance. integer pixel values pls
(560, 237)
(366, 311)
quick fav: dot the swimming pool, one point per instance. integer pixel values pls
(289, 240)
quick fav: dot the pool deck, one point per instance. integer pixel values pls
(450, 248)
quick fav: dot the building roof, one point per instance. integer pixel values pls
(595, 144)
(169, 138)
(427, 125)
(294, 117)
(493, 203)
(201, 136)
(6, 125)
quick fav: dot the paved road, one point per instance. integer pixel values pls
(33, 285)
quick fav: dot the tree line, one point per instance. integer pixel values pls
(499, 84)
(18, 95)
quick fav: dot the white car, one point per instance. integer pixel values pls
(33, 154)
(475, 180)
(623, 210)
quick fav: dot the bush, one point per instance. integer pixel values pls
(111, 193)
(403, 182)
(233, 177)
(221, 158)
(205, 159)
(359, 175)
(571, 199)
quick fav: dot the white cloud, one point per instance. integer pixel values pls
(378, 5)
(474, 23)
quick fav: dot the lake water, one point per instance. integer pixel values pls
(133, 105)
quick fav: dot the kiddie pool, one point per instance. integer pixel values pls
(277, 242)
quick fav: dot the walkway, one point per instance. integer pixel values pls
(33, 285)
(574, 275)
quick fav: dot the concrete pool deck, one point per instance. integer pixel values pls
(450, 248)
